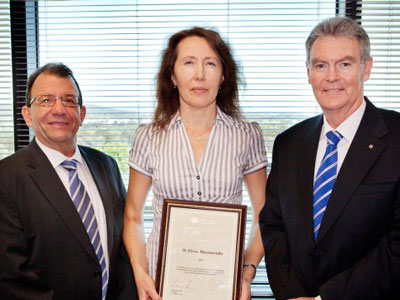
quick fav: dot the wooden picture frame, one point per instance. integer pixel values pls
(201, 250)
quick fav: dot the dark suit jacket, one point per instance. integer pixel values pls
(357, 253)
(45, 252)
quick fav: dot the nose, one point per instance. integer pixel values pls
(333, 73)
(200, 72)
(58, 107)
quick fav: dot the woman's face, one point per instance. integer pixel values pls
(197, 73)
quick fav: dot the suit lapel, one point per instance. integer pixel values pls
(307, 151)
(365, 149)
(99, 175)
(47, 180)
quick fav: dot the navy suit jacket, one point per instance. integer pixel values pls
(357, 252)
(45, 252)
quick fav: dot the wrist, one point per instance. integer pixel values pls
(140, 270)
(249, 269)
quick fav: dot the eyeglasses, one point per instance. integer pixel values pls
(50, 100)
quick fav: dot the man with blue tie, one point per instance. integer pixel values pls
(331, 222)
(61, 205)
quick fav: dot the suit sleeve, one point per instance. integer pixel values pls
(18, 275)
(281, 275)
(376, 273)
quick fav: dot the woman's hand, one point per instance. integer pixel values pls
(255, 183)
(246, 290)
(146, 287)
(133, 234)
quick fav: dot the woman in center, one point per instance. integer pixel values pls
(197, 148)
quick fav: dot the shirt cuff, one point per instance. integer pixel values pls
(256, 167)
(138, 168)
(318, 298)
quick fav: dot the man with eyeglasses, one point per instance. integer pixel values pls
(61, 205)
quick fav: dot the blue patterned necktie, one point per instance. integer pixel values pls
(85, 209)
(325, 179)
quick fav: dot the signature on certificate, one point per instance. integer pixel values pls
(182, 284)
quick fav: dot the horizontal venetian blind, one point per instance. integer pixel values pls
(381, 19)
(6, 96)
(114, 49)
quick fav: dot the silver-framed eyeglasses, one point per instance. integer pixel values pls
(50, 100)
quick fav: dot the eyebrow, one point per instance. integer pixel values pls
(348, 57)
(207, 57)
(49, 94)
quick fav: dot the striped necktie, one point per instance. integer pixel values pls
(85, 209)
(325, 179)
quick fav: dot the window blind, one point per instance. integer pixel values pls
(114, 49)
(6, 104)
(381, 19)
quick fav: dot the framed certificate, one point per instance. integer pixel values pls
(201, 250)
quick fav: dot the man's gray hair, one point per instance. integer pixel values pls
(340, 27)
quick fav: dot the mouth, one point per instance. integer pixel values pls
(199, 90)
(58, 123)
(333, 90)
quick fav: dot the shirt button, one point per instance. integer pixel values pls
(199, 193)
(197, 177)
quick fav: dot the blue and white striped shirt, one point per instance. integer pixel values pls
(235, 148)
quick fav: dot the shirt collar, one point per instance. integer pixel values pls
(176, 119)
(224, 118)
(348, 127)
(55, 157)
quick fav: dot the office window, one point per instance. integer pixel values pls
(381, 19)
(6, 96)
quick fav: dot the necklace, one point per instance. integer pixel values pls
(200, 137)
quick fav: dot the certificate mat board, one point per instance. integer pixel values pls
(201, 250)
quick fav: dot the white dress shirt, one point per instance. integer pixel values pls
(348, 130)
(56, 158)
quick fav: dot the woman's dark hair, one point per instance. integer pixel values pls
(168, 95)
(58, 69)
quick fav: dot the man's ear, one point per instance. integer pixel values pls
(27, 114)
(308, 72)
(82, 114)
(367, 69)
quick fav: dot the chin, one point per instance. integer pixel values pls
(331, 102)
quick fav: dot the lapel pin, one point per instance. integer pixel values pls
(371, 146)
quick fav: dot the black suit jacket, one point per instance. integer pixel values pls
(357, 252)
(45, 252)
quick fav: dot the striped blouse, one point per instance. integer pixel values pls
(235, 148)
